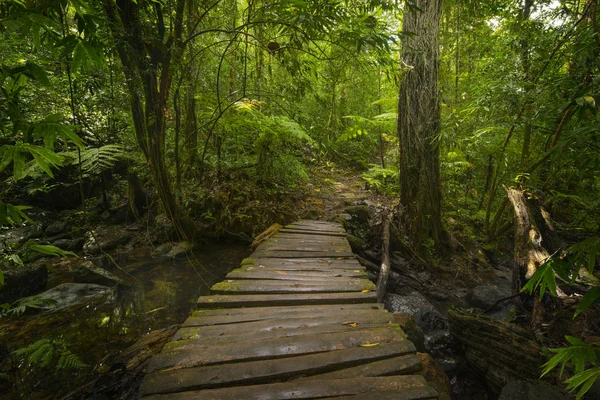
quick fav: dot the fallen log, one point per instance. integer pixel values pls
(501, 352)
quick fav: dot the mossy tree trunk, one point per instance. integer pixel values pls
(148, 50)
(419, 125)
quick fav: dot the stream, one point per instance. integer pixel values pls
(163, 294)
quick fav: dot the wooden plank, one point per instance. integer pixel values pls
(315, 228)
(305, 232)
(256, 372)
(253, 350)
(277, 274)
(322, 262)
(270, 300)
(342, 321)
(327, 240)
(312, 389)
(234, 315)
(324, 268)
(301, 254)
(425, 393)
(193, 337)
(308, 237)
(303, 247)
(401, 365)
(272, 286)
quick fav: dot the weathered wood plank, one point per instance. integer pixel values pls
(311, 389)
(270, 348)
(306, 232)
(293, 333)
(305, 269)
(302, 254)
(309, 237)
(279, 274)
(402, 365)
(256, 372)
(273, 286)
(234, 315)
(303, 247)
(266, 300)
(425, 393)
(341, 321)
(323, 263)
(315, 228)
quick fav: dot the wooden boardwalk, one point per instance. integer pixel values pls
(298, 320)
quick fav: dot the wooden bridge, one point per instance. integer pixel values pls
(298, 320)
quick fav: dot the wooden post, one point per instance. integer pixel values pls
(384, 271)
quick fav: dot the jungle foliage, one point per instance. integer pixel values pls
(216, 107)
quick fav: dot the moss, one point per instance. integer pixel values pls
(226, 286)
(247, 261)
(357, 244)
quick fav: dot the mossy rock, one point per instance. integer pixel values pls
(356, 243)
(359, 213)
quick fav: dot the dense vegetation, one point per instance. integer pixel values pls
(214, 114)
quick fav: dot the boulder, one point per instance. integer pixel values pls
(105, 239)
(23, 281)
(19, 235)
(425, 313)
(162, 250)
(521, 390)
(434, 375)
(56, 228)
(71, 294)
(180, 249)
(359, 213)
(485, 296)
(87, 272)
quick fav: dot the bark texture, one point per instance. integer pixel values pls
(148, 50)
(419, 124)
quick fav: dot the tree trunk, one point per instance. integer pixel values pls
(419, 125)
(147, 62)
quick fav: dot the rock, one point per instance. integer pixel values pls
(424, 276)
(64, 244)
(521, 390)
(438, 296)
(485, 296)
(360, 213)
(72, 294)
(444, 348)
(87, 272)
(180, 249)
(19, 235)
(434, 375)
(105, 239)
(425, 314)
(414, 333)
(23, 281)
(56, 228)
(162, 250)
(343, 217)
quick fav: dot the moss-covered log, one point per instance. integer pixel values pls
(500, 351)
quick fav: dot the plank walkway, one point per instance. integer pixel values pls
(298, 320)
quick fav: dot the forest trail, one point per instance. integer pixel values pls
(331, 191)
(299, 319)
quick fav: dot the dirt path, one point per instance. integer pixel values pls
(331, 190)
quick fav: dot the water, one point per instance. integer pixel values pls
(163, 294)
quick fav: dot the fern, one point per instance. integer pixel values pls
(45, 352)
(21, 305)
(100, 159)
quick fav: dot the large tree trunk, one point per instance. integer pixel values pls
(419, 125)
(148, 49)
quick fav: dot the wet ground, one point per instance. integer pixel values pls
(163, 294)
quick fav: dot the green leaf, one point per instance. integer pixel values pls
(34, 71)
(7, 156)
(583, 380)
(18, 163)
(543, 279)
(1, 278)
(51, 250)
(592, 296)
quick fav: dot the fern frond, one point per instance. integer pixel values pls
(97, 160)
